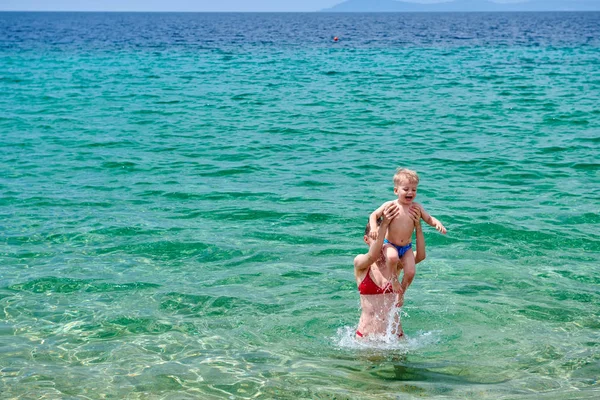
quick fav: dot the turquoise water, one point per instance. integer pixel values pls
(180, 222)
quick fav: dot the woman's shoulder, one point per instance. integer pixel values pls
(362, 262)
(359, 259)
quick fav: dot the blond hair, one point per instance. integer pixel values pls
(404, 174)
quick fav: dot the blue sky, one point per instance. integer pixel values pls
(176, 5)
(179, 5)
(168, 5)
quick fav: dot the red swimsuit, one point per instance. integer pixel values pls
(368, 287)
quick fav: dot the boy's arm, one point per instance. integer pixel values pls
(432, 221)
(375, 215)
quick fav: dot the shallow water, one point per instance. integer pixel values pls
(183, 194)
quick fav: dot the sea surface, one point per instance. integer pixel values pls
(182, 196)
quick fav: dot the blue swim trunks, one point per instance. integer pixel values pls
(401, 249)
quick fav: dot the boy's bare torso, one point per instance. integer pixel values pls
(401, 228)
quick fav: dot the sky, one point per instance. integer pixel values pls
(179, 5)
(167, 5)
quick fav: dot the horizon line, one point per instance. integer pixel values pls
(287, 12)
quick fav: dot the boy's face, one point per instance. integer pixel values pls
(406, 191)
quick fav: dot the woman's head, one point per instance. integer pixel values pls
(367, 237)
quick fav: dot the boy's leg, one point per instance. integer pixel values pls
(408, 265)
(408, 260)
(391, 256)
(395, 279)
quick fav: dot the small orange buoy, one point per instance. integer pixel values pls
(335, 39)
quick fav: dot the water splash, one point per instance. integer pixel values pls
(346, 337)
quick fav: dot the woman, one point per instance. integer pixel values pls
(380, 291)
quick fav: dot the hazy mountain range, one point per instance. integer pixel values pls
(464, 5)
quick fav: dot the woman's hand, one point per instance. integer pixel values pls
(399, 297)
(415, 214)
(390, 212)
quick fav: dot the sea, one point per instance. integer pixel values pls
(182, 196)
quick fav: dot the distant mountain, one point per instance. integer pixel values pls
(464, 5)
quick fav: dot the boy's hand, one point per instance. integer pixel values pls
(373, 234)
(440, 227)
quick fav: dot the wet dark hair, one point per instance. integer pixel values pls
(368, 227)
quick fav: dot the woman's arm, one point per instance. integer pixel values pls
(420, 253)
(373, 219)
(363, 261)
(416, 215)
